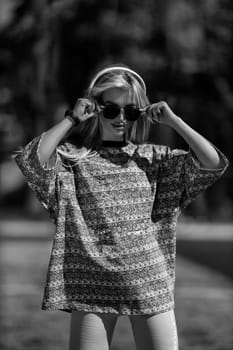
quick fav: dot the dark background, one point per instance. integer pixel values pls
(50, 49)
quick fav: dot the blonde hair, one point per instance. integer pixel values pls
(90, 129)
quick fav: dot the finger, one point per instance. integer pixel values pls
(155, 114)
(149, 113)
(79, 104)
(152, 119)
(155, 118)
(83, 102)
(154, 105)
(159, 112)
(88, 115)
(80, 101)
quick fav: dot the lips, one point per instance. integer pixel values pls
(119, 125)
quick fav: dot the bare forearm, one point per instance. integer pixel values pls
(52, 138)
(82, 111)
(205, 152)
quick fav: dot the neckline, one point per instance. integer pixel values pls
(111, 143)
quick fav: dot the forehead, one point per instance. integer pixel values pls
(119, 96)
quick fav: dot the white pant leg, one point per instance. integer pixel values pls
(91, 331)
(155, 332)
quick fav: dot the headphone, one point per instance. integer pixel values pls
(110, 69)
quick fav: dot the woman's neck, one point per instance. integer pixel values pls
(116, 143)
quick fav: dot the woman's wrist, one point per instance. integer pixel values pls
(71, 120)
(70, 115)
(174, 122)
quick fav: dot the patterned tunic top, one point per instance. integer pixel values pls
(115, 216)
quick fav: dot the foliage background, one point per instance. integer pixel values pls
(49, 50)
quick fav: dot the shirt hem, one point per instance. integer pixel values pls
(106, 310)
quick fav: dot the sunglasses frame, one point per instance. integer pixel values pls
(103, 107)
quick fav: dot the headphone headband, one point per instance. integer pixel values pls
(110, 69)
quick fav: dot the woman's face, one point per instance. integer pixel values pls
(114, 129)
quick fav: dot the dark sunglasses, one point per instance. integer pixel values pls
(131, 112)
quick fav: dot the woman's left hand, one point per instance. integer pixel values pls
(161, 113)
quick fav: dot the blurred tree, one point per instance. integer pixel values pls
(50, 48)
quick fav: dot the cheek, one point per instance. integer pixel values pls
(105, 123)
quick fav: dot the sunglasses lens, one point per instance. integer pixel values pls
(132, 113)
(110, 112)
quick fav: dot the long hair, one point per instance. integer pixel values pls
(89, 131)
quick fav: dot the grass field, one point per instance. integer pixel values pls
(204, 300)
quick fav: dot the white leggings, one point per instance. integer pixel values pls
(93, 331)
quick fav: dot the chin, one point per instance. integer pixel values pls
(121, 132)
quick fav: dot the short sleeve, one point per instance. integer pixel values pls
(183, 178)
(194, 178)
(42, 179)
(180, 180)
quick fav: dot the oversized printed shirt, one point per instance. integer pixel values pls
(115, 214)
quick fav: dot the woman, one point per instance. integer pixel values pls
(115, 200)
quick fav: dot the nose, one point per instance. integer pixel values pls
(122, 114)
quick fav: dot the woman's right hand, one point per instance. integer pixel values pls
(84, 109)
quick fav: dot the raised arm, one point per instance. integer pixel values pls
(51, 138)
(206, 153)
